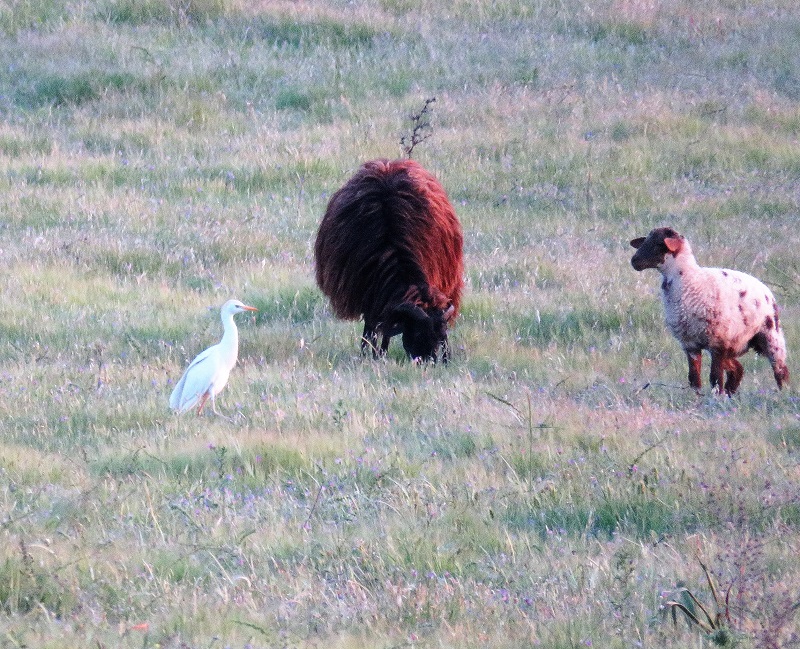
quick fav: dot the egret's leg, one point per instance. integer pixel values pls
(203, 400)
(216, 412)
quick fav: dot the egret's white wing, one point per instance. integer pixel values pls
(195, 382)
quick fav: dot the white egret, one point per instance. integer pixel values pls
(208, 372)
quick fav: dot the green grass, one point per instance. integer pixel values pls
(550, 487)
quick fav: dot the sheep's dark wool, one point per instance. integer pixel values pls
(390, 249)
(723, 311)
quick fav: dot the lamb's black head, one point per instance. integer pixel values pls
(424, 332)
(651, 250)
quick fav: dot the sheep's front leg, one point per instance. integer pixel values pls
(695, 365)
(385, 343)
(369, 340)
(445, 351)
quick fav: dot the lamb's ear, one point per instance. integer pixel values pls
(637, 242)
(673, 244)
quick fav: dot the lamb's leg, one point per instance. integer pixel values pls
(733, 375)
(717, 374)
(695, 365)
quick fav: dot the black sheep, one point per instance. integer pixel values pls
(390, 249)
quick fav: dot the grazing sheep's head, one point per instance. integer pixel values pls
(653, 250)
(423, 332)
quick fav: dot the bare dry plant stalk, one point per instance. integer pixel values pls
(421, 128)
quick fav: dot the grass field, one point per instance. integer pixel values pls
(557, 485)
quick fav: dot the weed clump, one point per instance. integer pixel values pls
(26, 585)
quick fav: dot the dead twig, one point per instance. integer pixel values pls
(421, 128)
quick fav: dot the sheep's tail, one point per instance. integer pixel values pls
(776, 349)
(777, 357)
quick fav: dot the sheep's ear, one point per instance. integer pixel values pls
(449, 312)
(673, 244)
(407, 311)
(637, 242)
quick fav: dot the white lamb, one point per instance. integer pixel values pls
(724, 311)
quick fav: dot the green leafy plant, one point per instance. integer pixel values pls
(713, 619)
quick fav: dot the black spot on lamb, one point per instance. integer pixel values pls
(724, 311)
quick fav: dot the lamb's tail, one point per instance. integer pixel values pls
(775, 349)
(770, 342)
(777, 357)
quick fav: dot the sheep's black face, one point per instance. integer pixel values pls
(651, 251)
(423, 333)
(420, 341)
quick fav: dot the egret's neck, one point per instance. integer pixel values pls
(230, 337)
